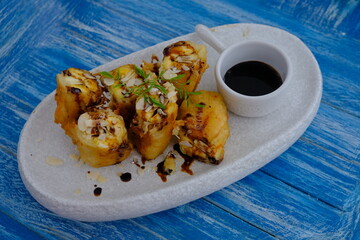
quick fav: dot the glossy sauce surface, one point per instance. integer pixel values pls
(125, 177)
(253, 78)
(161, 171)
(185, 167)
(97, 191)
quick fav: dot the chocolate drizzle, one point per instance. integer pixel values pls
(161, 171)
(125, 177)
(97, 191)
(185, 167)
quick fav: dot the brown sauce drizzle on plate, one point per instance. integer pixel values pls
(161, 171)
(143, 160)
(125, 177)
(185, 167)
(97, 191)
(138, 165)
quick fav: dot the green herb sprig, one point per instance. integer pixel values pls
(183, 93)
(117, 77)
(148, 84)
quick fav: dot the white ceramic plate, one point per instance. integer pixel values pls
(68, 189)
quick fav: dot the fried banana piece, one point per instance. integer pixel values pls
(154, 120)
(152, 66)
(77, 90)
(202, 128)
(184, 58)
(101, 138)
(122, 98)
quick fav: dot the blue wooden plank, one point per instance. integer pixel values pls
(10, 229)
(337, 132)
(110, 29)
(308, 168)
(357, 232)
(165, 16)
(342, 16)
(201, 220)
(284, 211)
(36, 18)
(12, 117)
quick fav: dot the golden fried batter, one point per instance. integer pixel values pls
(184, 58)
(122, 98)
(101, 138)
(152, 125)
(203, 131)
(77, 91)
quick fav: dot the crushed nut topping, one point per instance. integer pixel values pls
(185, 68)
(171, 73)
(186, 59)
(108, 81)
(185, 143)
(87, 75)
(140, 104)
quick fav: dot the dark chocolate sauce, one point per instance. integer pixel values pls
(185, 167)
(161, 171)
(125, 177)
(143, 160)
(253, 78)
(97, 191)
(138, 165)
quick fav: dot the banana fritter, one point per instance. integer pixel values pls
(184, 58)
(77, 91)
(202, 128)
(154, 120)
(101, 138)
(122, 98)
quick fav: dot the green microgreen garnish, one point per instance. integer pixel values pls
(183, 93)
(148, 84)
(199, 105)
(118, 76)
(141, 72)
(157, 103)
(177, 77)
(106, 74)
(118, 85)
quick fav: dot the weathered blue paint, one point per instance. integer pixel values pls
(312, 191)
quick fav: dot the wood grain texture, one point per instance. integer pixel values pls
(309, 169)
(290, 214)
(312, 191)
(10, 229)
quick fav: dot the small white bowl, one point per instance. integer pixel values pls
(240, 104)
(253, 106)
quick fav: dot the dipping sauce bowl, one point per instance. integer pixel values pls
(249, 51)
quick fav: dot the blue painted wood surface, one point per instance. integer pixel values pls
(311, 191)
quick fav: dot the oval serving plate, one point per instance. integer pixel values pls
(66, 186)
